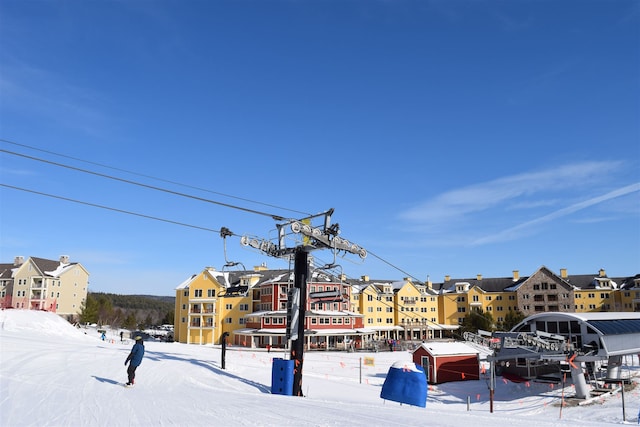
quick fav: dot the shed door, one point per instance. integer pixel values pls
(424, 362)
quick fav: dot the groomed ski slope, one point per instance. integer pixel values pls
(52, 374)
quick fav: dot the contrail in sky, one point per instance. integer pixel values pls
(513, 231)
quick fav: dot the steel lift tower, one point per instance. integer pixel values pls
(325, 237)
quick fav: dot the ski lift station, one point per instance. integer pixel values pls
(554, 342)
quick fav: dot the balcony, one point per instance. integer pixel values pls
(37, 296)
(196, 325)
(38, 284)
(202, 312)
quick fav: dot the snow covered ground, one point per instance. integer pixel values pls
(52, 374)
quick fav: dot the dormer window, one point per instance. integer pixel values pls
(604, 283)
(462, 287)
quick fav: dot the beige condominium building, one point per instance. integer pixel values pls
(59, 286)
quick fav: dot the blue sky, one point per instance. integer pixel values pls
(451, 137)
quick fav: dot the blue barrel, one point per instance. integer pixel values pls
(405, 383)
(282, 377)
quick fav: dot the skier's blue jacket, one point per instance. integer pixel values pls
(136, 354)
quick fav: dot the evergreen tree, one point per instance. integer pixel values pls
(105, 310)
(89, 310)
(476, 320)
(148, 321)
(168, 318)
(512, 319)
(130, 322)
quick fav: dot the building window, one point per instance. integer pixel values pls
(197, 293)
(211, 293)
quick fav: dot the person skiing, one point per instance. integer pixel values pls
(135, 357)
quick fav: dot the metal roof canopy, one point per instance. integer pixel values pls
(619, 332)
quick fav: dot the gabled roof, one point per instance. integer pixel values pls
(628, 282)
(442, 348)
(499, 284)
(186, 283)
(508, 284)
(6, 271)
(49, 267)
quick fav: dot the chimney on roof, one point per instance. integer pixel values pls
(428, 283)
(364, 278)
(516, 275)
(563, 273)
(447, 278)
(602, 273)
(64, 259)
(19, 260)
(479, 277)
(343, 277)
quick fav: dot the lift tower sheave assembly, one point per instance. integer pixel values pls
(325, 237)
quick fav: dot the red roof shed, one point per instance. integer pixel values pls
(448, 361)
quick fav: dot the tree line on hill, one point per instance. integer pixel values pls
(145, 311)
(127, 311)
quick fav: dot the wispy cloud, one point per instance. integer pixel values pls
(17, 172)
(44, 94)
(517, 231)
(469, 210)
(479, 197)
